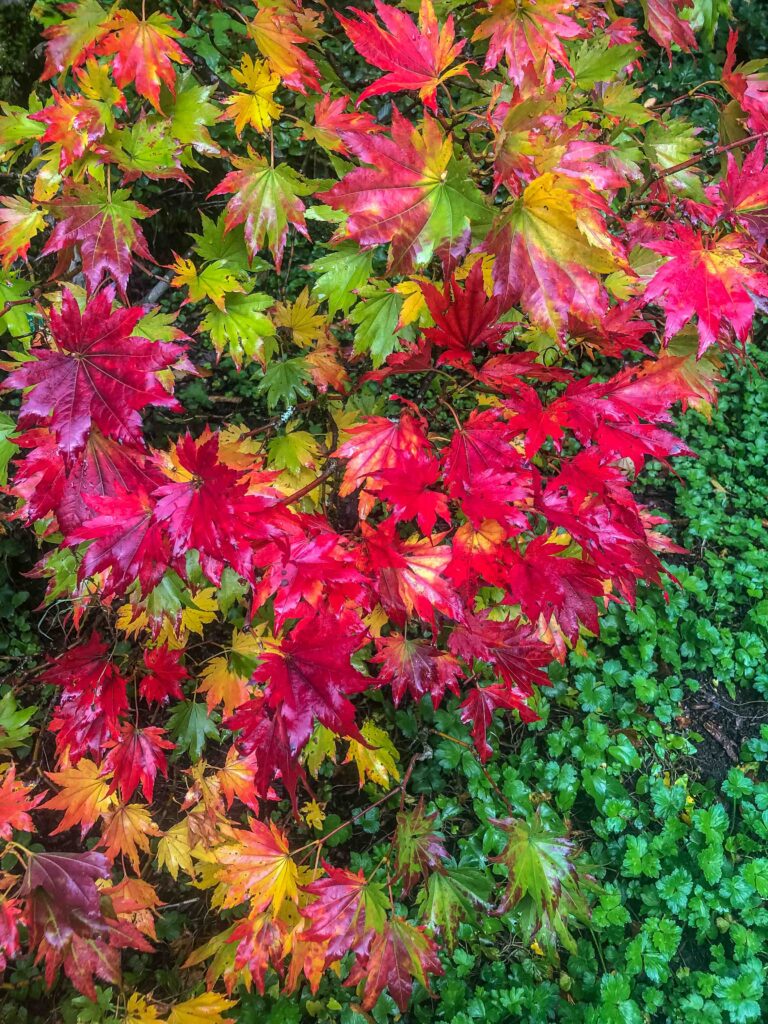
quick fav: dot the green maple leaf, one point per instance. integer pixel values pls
(241, 327)
(286, 382)
(342, 273)
(450, 898)
(377, 315)
(190, 725)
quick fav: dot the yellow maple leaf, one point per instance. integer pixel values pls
(376, 762)
(84, 795)
(174, 851)
(258, 867)
(213, 282)
(301, 319)
(414, 303)
(202, 610)
(127, 832)
(256, 107)
(140, 1011)
(313, 814)
(205, 1009)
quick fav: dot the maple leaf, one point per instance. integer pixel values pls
(258, 867)
(549, 247)
(416, 666)
(465, 318)
(135, 757)
(69, 924)
(545, 584)
(72, 121)
(261, 942)
(103, 227)
(664, 24)
(256, 107)
(311, 677)
(450, 897)
(165, 674)
(415, 194)
(84, 796)
(16, 802)
(10, 946)
(20, 221)
(531, 35)
(401, 954)
(409, 574)
(543, 879)
(712, 279)
(347, 913)
(265, 738)
(205, 1009)
(96, 373)
(126, 832)
(331, 121)
(378, 445)
(73, 39)
(143, 52)
(279, 37)
(414, 58)
(266, 200)
(47, 482)
(478, 708)
(744, 193)
(419, 849)
(135, 901)
(374, 757)
(126, 540)
(205, 505)
(93, 698)
(510, 647)
(406, 489)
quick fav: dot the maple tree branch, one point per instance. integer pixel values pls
(303, 491)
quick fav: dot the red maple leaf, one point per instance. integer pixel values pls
(416, 667)
(744, 193)
(70, 924)
(415, 58)
(544, 583)
(144, 53)
(393, 199)
(478, 708)
(377, 446)
(331, 121)
(311, 677)
(406, 490)
(136, 756)
(165, 674)
(399, 954)
(513, 649)
(664, 24)
(712, 279)
(348, 912)
(264, 738)
(410, 574)
(104, 230)
(206, 507)
(531, 35)
(93, 698)
(97, 372)
(465, 318)
(126, 542)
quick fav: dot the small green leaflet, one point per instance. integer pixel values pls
(190, 726)
(286, 382)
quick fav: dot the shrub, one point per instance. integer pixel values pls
(448, 330)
